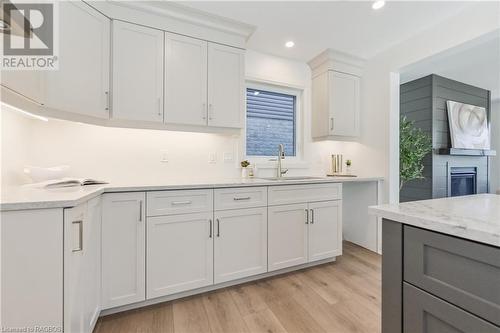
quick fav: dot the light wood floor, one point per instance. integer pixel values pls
(343, 296)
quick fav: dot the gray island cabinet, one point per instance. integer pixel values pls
(441, 265)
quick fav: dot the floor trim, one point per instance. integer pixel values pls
(157, 300)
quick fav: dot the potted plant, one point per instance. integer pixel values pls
(414, 145)
(348, 165)
(244, 168)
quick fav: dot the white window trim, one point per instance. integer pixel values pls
(297, 161)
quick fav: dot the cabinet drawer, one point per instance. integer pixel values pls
(462, 272)
(179, 202)
(244, 197)
(424, 313)
(289, 194)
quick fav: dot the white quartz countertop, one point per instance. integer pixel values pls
(27, 197)
(474, 217)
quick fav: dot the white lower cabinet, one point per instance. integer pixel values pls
(240, 243)
(325, 230)
(179, 254)
(302, 233)
(123, 249)
(82, 266)
(287, 244)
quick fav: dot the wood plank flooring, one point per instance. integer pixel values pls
(344, 296)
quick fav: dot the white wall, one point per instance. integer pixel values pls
(133, 155)
(495, 144)
(380, 100)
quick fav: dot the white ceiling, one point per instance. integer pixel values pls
(476, 63)
(348, 26)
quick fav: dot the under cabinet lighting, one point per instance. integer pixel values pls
(378, 4)
(26, 113)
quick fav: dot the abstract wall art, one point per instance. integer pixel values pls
(468, 126)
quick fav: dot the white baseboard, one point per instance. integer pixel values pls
(137, 305)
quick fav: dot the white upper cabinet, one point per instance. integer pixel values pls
(344, 103)
(137, 73)
(28, 84)
(81, 85)
(225, 86)
(185, 80)
(335, 95)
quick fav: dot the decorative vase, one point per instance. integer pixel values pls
(244, 173)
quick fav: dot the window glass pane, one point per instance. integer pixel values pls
(270, 121)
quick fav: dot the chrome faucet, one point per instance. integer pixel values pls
(281, 156)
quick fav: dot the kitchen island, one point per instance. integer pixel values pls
(441, 265)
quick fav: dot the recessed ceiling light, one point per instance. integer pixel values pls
(289, 44)
(378, 4)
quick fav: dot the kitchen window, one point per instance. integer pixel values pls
(272, 118)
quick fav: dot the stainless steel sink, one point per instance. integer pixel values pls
(292, 178)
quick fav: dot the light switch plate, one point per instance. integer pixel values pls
(227, 157)
(164, 156)
(212, 158)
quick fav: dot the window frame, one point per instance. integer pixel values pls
(264, 161)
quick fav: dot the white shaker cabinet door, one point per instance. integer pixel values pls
(92, 266)
(76, 227)
(287, 228)
(344, 90)
(325, 230)
(81, 84)
(225, 86)
(180, 253)
(185, 80)
(123, 248)
(240, 243)
(137, 72)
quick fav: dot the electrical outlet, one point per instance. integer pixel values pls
(227, 157)
(164, 156)
(212, 158)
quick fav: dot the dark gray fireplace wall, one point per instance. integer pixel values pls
(424, 102)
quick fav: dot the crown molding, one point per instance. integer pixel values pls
(177, 18)
(331, 59)
(189, 15)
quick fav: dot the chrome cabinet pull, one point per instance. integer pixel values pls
(307, 216)
(240, 199)
(331, 123)
(140, 210)
(107, 100)
(210, 232)
(80, 236)
(210, 111)
(218, 227)
(312, 216)
(159, 106)
(204, 111)
(185, 202)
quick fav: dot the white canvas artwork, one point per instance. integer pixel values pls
(468, 126)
